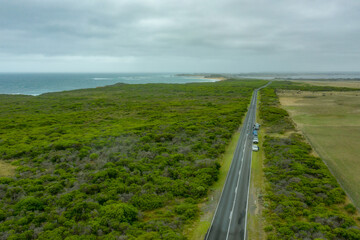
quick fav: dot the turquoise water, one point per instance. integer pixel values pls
(38, 83)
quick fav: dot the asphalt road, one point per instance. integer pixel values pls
(230, 217)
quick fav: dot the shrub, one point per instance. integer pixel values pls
(120, 212)
(187, 211)
(268, 228)
(6, 180)
(55, 188)
(148, 201)
(2, 215)
(56, 234)
(350, 208)
(93, 156)
(80, 211)
(29, 204)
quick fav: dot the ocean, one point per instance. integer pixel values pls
(38, 83)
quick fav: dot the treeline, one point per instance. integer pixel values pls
(303, 200)
(118, 162)
(290, 85)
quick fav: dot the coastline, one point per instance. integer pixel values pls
(37, 84)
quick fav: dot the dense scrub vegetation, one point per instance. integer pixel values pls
(302, 86)
(118, 162)
(303, 200)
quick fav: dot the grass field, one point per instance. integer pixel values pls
(331, 122)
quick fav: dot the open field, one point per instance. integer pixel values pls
(349, 84)
(331, 122)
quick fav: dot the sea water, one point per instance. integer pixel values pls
(38, 83)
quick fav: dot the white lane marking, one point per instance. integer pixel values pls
(247, 135)
(222, 191)
(233, 206)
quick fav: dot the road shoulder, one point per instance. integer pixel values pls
(256, 221)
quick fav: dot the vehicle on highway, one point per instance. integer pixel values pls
(255, 148)
(255, 132)
(257, 126)
(256, 140)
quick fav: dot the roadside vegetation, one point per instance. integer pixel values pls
(303, 200)
(117, 162)
(256, 220)
(199, 228)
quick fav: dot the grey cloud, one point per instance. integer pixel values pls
(218, 35)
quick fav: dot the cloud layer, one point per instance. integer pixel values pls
(178, 36)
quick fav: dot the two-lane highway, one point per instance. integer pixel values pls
(229, 221)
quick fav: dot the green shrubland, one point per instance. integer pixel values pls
(303, 200)
(117, 162)
(303, 86)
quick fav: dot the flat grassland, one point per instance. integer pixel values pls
(331, 122)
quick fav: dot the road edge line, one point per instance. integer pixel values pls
(227, 175)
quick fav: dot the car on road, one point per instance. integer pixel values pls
(256, 140)
(256, 126)
(255, 132)
(255, 148)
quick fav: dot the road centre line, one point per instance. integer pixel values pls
(237, 185)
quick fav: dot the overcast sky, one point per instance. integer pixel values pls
(179, 35)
